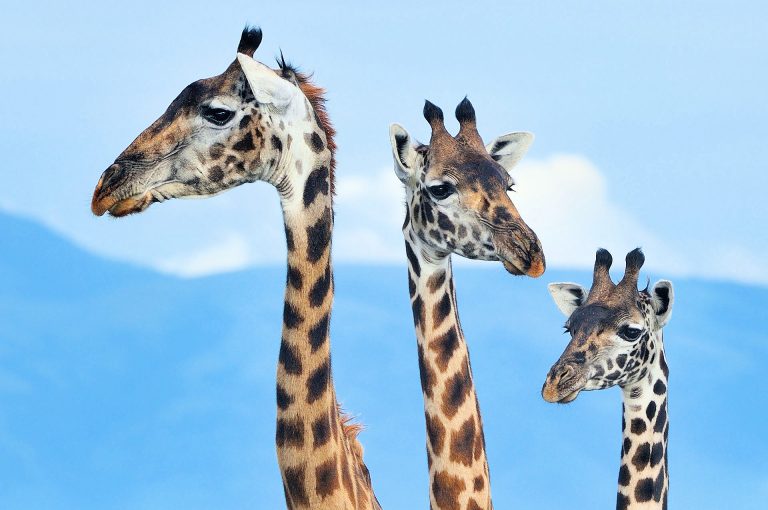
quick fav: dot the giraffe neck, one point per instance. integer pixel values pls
(319, 457)
(644, 476)
(458, 468)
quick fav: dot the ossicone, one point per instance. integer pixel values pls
(601, 278)
(634, 260)
(432, 113)
(465, 112)
(250, 40)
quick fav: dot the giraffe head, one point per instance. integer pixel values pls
(456, 187)
(219, 133)
(615, 330)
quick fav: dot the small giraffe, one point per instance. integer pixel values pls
(247, 124)
(457, 202)
(616, 339)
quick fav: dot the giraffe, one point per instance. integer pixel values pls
(456, 202)
(252, 123)
(616, 339)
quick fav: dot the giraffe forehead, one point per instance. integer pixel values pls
(597, 317)
(473, 171)
(197, 93)
(205, 88)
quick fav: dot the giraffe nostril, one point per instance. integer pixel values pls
(565, 374)
(109, 181)
(110, 176)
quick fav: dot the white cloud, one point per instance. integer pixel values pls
(566, 201)
(230, 253)
(564, 198)
(731, 262)
(369, 216)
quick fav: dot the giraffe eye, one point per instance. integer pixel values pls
(218, 116)
(629, 333)
(441, 191)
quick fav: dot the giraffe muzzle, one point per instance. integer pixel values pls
(564, 383)
(532, 263)
(109, 195)
(519, 250)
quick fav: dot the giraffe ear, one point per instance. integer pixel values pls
(507, 150)
(663, 296)
(407, 159)
(568, 296)
(266, 85)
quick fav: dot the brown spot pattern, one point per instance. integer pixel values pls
(327, 478)
(294, 485)
(290, 432)
(435, 433)
(463, 442)
(446, 489)
(457, 389)
(444, 346)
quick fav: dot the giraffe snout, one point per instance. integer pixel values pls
(102, 195)
(563, 383)
(538, 263)
(565, 374)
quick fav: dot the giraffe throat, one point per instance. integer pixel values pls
(319, 456)
(644, 474)
(458, 467)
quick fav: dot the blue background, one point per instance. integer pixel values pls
(122, 387)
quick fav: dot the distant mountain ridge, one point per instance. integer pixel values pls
(121, 388)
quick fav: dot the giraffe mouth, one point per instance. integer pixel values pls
(555, 396)
(121, 202)
(511, 268)
(123, 207)
(519, 267)
(563, 384)
(569, 397)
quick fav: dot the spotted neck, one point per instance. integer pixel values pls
(320, 459)
(458, 468)
(644, 476)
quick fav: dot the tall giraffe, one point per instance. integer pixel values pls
(456, 202)
(616, 339)
(247, 124)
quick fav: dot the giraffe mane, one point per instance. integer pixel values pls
(351, 430)
(316, 97)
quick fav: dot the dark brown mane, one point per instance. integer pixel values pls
(316, 96)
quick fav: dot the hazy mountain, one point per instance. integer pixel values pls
(121, 388)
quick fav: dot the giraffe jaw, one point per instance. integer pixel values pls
(535, 270)
(563, 391)
(570, 397)
(123, 207)
(511, 268)
(117, 205)
(555, 397)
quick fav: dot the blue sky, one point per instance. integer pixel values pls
(649, 120)
(121, 388)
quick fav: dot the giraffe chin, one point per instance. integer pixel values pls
(554, 395)
(123, 207)
(511, 268)
(535, 270)
(569, 397)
